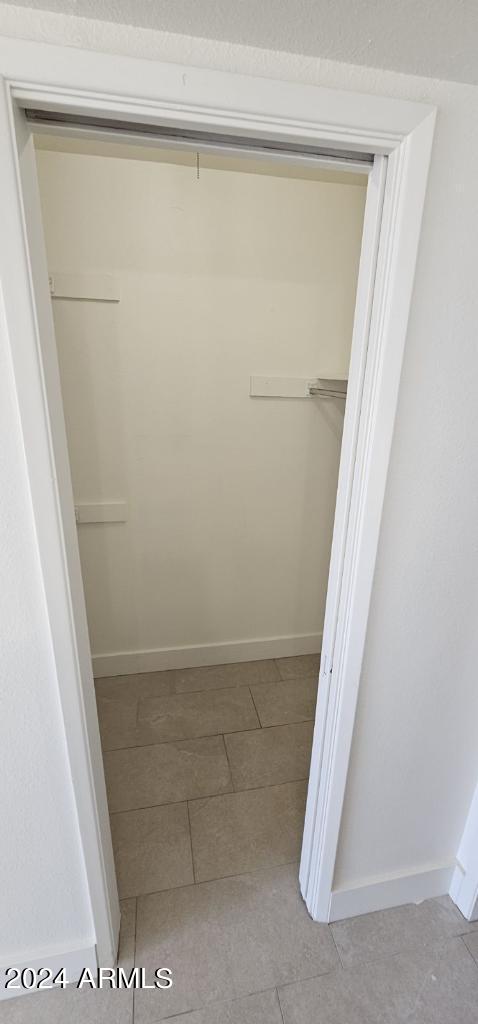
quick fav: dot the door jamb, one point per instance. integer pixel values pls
(87, 82)
(464, 884)
(328, 766)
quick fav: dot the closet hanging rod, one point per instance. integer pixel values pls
(188, 138)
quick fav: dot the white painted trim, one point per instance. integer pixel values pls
(69, 79)
(387, 268)
(318, 854)
(464, 884)
(73, 961)
(122, 663)
(29, 322)
(394, 891)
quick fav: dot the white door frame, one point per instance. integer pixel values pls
(150, 92)
(464, 885)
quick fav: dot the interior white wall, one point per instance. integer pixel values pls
(414, 762)
(230, 499)
(414, 759)
(43, 897)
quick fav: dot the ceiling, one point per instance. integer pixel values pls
(435, 38)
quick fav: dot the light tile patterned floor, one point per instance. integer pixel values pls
(206, 780)
(206, 773)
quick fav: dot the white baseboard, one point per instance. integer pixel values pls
(123, 663)
(73, 961)
(391, 892)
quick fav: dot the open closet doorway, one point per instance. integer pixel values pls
(204, 307)
(393, 138)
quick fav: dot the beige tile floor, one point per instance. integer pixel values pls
(206, 770)
(206, 774)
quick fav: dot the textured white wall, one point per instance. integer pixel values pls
(230, 499)
(415, 760)
(375, 33)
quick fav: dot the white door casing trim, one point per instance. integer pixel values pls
(464, 886)
(147, 91)
(382, 308)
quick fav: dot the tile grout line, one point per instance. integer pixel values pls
(256, 992)
(229, 763)
(208, 796)
(279, 1003)
(173, 803)
(356, 965)
(183, 739)
(191, 844)
(208, 689)
(191, 693)
(211, 881)
(264, 728)
(126, 677)
(217, 1002)
(256, 711)
(470, 954)
(237, 792)
(336, 946)
(208, 736)
(242, 874)
(278, 670)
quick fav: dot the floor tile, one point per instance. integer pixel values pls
(299, 667)
(420, 988)
(267, 757)
(262, 1008)
(185, 715)
(246, 831)
(285, 702)
(152, 849)
(127, 930)
(464, 926)
(166, 773)
(87, 1006)
(217, 677)
(385, 932)
(117, 720)
(140, 684)
(117, 699)
(471, 943)
(227, 939)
